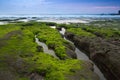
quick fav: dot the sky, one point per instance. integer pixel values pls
(59, 6)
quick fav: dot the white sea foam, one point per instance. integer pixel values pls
(58, 18)
(64, 21)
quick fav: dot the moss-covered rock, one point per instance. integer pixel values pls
(20, 59)
(105, 55)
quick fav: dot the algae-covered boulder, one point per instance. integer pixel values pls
(85, 74)
(69, 69)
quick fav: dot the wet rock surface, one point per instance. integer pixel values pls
(114, 41)
(105, 55)
(71, 53)
(35, 76)
(86, 73)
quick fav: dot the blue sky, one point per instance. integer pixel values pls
(59, 6)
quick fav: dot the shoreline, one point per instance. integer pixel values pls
(64, 21)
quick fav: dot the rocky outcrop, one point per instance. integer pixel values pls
(105, 55)
(70, 53)
(7, 75)
(114, 41)
(70, 50)
(86, 73)
(35, 76)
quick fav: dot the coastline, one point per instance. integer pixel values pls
(64, 21)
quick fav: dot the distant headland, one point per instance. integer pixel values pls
(112, 13)
(116, 13)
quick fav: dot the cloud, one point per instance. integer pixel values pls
(28, 2)
(106, 7)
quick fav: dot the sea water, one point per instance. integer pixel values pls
(62, 15)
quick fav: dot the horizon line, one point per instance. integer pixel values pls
(64, 14)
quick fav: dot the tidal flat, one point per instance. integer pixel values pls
(23, 59)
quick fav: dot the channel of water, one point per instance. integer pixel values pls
(80, 54)
(45, 48)
(83, 56)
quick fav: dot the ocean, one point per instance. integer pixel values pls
(58, 18)
(64, 15)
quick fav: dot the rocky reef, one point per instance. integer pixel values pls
(105, 55)
(21, 58)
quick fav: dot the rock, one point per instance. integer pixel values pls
(105, 55)
(36, 76)
(71, 53)
(79, 42)
(70, 50)
(82, 44)
(86, 73)
(114, 41)
(69, 36)
(59, 28)
(70, 46)
(7, 75)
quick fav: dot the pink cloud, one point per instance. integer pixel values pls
(107, 7)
